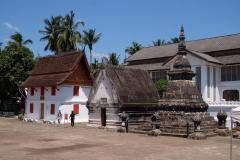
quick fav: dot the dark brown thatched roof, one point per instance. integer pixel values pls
(221, 43)
(50, 71)
(133, 86)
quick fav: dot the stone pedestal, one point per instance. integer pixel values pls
(198, 135)
(223, 132)
(121, 129)
(154, 132)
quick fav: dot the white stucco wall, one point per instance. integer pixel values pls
(63, 100)
(105, 90)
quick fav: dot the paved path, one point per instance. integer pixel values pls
(31, 141)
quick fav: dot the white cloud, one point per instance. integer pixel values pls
(98, 55)
(11, 27)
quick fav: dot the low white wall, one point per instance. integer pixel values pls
(213, 110)
(63, 100)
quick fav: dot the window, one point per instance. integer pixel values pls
(230, 73)
(52, 109)
(157, 75)
(53, 90)
(32, 91)
(31, 107)
(231, 95)
(214, 84)
(76, 108)
(208, 82)
(76, 90)
(223, 74)
(198, 78)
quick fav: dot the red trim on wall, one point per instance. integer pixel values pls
(52, 108)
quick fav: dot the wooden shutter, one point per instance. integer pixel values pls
(66, 116)
(53, 90)
(42, 91)
(32, 91)
(76, 108)
(52, 108)
(76, 91)
(31, 107)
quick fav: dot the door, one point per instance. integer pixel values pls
(103, 116)
(42, 111)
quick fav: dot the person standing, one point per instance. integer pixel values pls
(59, 117)
(72, 117)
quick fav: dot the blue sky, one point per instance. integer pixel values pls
(123, 21)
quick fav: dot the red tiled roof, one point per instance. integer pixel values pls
(56, 64)
(50, 71)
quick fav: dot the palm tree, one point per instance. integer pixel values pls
(61, 33)
(174, 40)
(51, 33)
(133, 48)
(18, 40)
(159, 42)
(69, 34)
(113, 59)
(90, 37)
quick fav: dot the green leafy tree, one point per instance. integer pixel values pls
(90, 37)
(16, 61)
(17, 39)
(113, 59)
(133, 48)
(161, 86)
(159, 42)
(62, 33)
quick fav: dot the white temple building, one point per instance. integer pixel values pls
(58, 83)
(216, 62)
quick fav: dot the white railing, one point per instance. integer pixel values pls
(224, 103)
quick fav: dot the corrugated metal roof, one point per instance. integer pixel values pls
(202, 45)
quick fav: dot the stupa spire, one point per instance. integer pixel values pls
(181, 67)
(181, 44)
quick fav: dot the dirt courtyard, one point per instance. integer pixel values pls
(23, 141)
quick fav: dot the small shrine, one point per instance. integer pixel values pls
(182, 111)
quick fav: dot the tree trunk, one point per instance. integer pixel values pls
(90, 57)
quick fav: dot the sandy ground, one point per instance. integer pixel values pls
(23, 141)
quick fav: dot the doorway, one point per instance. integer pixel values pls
(42, 111)
(103, 116)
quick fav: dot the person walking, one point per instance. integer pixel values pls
(59, 117)
(72, 117)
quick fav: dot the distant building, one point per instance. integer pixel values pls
(117, 90)
(216, 62)
(58, 83)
